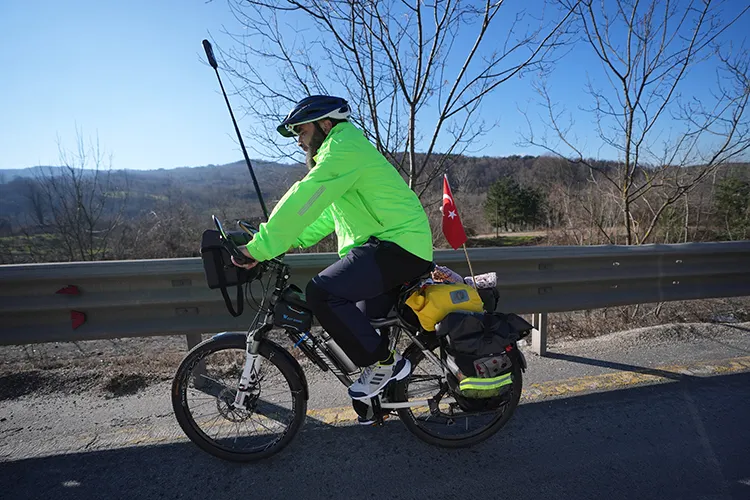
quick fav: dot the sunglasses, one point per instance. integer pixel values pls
(294, 129)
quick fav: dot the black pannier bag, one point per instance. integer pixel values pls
(475, 347)
(219, 270)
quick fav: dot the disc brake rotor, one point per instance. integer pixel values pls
(227, 409)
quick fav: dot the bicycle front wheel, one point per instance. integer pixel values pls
(203, 393)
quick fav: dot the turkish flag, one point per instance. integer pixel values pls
(452, 227)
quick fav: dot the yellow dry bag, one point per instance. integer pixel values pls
(432, 303)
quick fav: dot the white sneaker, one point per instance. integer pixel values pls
(374, 378)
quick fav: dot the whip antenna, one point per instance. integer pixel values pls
(215, 66)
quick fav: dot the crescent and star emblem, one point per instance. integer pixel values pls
(451, 213)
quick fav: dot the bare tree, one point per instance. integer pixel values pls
(416, 73)
(79, 205)
(37, 202)
(647, 50)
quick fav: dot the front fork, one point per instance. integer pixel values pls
(251, 369)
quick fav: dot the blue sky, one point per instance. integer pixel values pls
(131, 74)
(127, 72)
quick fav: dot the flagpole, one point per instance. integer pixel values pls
(473, 279)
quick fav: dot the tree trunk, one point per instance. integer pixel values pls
(687, 220)
(628, 222)
(412, 152)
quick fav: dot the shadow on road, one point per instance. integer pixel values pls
(687, 439)
(736, 327)
(618, 366)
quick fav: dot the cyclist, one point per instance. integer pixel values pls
(384, 238)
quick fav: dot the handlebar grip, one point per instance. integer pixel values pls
(242, 259)
(239, 257)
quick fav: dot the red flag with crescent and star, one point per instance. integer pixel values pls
(452, 227)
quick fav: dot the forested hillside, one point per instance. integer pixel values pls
(68, 213)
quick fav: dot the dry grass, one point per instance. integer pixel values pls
(110, 367)
(592, 323)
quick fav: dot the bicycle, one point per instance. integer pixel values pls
(259, 391)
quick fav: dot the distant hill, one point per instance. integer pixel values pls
(203, 188)
(208, 188)
(228, 189)
(8, 174)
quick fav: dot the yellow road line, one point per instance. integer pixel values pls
(578, 385)
(333, 416)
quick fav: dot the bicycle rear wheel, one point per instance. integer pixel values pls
(203, 393)
(452, 426)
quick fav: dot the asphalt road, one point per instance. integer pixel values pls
(617, 419)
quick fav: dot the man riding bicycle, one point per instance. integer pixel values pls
(384, 238)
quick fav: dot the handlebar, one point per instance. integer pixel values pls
(230, 245)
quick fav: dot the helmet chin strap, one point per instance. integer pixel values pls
(320, 129)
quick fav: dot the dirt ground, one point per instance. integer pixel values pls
(111, 367)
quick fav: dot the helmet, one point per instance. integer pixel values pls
(314, 108)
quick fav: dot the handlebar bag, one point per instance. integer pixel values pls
(219, 270)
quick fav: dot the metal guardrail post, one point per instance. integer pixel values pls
(539, 334)
(193, 339)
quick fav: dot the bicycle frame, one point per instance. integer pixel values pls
(315, 349)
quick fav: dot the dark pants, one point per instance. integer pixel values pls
(364, 284)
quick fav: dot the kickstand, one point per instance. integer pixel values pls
(434, 402)
(377, 411)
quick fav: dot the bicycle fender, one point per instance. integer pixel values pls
(522, 357)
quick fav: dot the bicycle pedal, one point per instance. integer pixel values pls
(378, 411)
(379, 422)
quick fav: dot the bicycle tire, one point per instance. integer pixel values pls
(273, 355)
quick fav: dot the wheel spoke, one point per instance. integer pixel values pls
(271, 406)
(453, 423)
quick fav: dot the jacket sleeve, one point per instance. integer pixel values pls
(335, 172)
(322, 227)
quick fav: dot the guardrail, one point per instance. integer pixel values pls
(114, 299)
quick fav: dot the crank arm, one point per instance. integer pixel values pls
(414, 404)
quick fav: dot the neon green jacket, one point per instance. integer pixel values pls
(352, 190)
